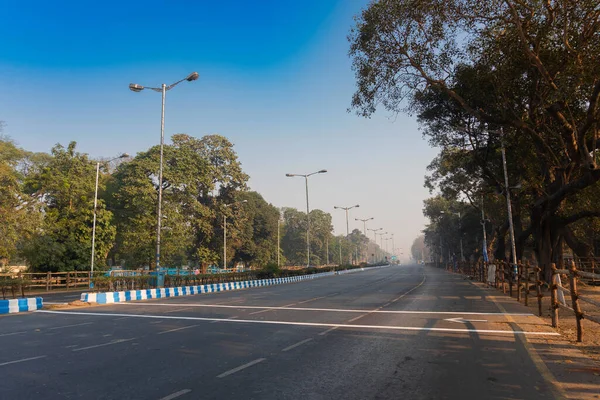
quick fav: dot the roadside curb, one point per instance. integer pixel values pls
(21, 305)
(145, 294)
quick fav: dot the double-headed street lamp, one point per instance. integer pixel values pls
(305, 176)
(347, 226)
(364, 221)
(374, 238)
(225, 231)
(124, 155)
(380, 239)
(346, 209)
(134, 87)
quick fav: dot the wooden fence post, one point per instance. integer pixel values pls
(527, 283)
(68, 279)
(519, 270)
(553, 297)
(575, 301)
(48, 278)
(538, 288)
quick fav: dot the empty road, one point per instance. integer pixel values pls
(398, 332)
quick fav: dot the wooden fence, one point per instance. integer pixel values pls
(47, 281)
(528, 277)
(574, 276)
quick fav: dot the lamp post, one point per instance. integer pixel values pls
(364, 221)
(124, 155)
(346, 209)
(134, 87)
(374, 238)
(381, 239)
(225, 231)
(305, 176)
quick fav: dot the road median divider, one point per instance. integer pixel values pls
(12, 306)
(146, 294)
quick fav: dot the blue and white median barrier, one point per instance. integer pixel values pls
(21, 305)
(145, 294)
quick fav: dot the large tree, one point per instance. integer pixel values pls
(19, 213)
(65, 188)
(525, 68)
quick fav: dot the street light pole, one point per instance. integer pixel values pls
(124, 155)
(364, 221)
(346, 209)
(305, 176)
(509, 207)
(134, 87)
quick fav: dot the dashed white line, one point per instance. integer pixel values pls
(10, 334)
(297, 344)
(103, 344)
(219, 320)
(177, 329)
(176, 394)
(328, 330)
(241, 367)
(22, 360)
(266, 309)
(69, 326)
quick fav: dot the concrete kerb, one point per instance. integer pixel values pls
(145, 294)
(21, 305)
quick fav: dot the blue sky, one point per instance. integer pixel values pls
(275, 79)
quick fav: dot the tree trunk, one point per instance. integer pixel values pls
(500, 252)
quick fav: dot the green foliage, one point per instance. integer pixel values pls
(65, 186)
(472, 69)
(19, 213)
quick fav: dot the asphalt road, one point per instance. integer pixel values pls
(399, 332)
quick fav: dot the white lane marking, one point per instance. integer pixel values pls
(176, 310)
(12, 333)
(70, 326)
(155, 322)
(103, 344)
(297, 344)
(328, 330)
(176, 394)
(327, 309)
(241, 367)
(356, 318)
(177, 329)
(464, 321)
(234, 317)
(22, 360)
(268, 322)
(313, 299)
(267, 309)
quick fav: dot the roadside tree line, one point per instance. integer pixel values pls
(480, 75)
(46, 211)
